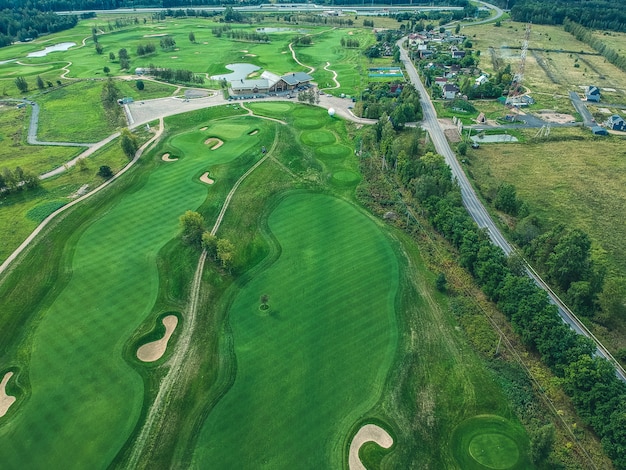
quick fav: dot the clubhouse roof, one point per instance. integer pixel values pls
(269, 83)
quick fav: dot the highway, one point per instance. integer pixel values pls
(478, 212)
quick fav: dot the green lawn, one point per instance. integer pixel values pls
(316, 360)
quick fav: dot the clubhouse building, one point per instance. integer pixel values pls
(269, 84)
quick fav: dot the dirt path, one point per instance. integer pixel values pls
(337, 85)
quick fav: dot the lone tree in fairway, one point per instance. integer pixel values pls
(21, 84)
(192, 37)
(264, 300)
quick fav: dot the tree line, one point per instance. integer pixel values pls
(398, 102)
(585, 35)
(194, 233)
(17, 180)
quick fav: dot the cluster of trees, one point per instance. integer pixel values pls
(350, 43)
(220, 30)
(302, 40)
(175, 75)
(596, 14)
(167, 43)
(591, 382)
(423, 21)
(17, 180)
(194, 233)
(317, 19)
(145, 49)
(586, 35)
(21, 23)
(309, 96)
(129, 143)
(400, 102)
(240, 35)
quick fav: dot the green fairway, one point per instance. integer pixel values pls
(80, 383)
(316, 362)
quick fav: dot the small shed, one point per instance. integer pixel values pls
(597, 130)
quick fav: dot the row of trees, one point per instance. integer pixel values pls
(175, 75)
(586, 35)
(591, 382)
(240, 35)
(109, 96)
(350, 43)
(194, 233)
(17, 180)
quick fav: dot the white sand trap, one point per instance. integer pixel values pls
(204, 128)
(205, 178)
(250, 55)
(244, 50)
(5, 400)
(214, 142)
(256, 131)
(368, 433)
(174, 57)
(154, 35)
(166, 158)
(150, 352)
(205, 43)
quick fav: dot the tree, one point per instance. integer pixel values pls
(192, 225)
(99, 48)
(541, 443)
(225, 252)
(105, 172)
(457, 29)
(128, 143)
(167, 42)
(40, 84)
(140, 85)
(21, 84)
(506, 199)
(462, 148)
(264, 300)
(123, 54)
(192, 37)
(106, 69)
(111, 56)
(124, 64)
(209, 243)
(441, 282)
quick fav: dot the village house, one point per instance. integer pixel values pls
(616, 123)
(450, 91)
(592, 93)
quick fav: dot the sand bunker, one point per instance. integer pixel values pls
(256, 131)
(368, 433)
(205, 178)
(166, 158)
(150, 352)
(5, 400)
(250, 55)
(204, 128)
(174, 57)
(214, 143)
(154, 35)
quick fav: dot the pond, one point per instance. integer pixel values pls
(63, 46)
(239, 72)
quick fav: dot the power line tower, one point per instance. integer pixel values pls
(516, 88)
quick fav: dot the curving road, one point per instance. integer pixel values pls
(480, 214)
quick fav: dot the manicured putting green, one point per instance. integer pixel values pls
(310, 367)
(308, 123)
(318, 137)
(273, 107)
(490, 442)
(494, 450)
(345, 177)
(333, 151)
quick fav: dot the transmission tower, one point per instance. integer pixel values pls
(516, 88)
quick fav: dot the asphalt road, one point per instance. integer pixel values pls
(479, 213)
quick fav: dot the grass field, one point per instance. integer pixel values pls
(339, 330)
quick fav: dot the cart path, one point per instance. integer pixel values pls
(337, 84)
(145, 441)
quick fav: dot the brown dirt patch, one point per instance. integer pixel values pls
(205, 178)
(214, 143)
(154, 350)
(452, 135)
(5, 400)
(557, 118)
(166, 158)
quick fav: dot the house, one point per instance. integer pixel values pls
(458, 54)
(450, 91)
(616, 123)
(592, 93)
(597, 130)
(480, 80)
(441, 81)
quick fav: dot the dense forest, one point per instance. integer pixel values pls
(595, 14)
(24, 23)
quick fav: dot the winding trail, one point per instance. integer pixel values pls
(337, 84)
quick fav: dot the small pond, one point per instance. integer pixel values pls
(63, 46)
(239, 72)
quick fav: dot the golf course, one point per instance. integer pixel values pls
(290, 320)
